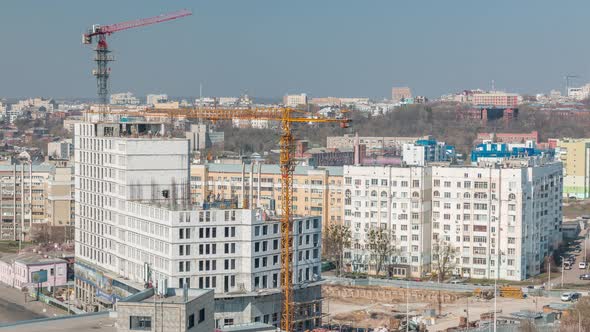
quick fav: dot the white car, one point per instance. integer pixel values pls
(582, 265)
(567, 297)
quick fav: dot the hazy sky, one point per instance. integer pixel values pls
(321, 47)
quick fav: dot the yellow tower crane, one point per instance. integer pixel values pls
(286, 117)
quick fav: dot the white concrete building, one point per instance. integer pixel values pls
(61, 149)
(424, 151)
(135, 225)
(502, 218)
(124, 98)
(396, 199)
(295, 100)
(153, 99)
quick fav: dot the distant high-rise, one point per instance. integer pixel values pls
(400, 93)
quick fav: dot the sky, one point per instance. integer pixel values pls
(269, 48)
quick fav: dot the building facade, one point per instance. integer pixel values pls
(295, 100)
(135, 224)
(503, 219)
(124, 98)
(496, 99)
(397, 200)
(575, 156)
(399, 94)
(316, 191)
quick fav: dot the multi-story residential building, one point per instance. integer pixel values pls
(396, 199)
(496, 99)
(424, 151)
(575, 156)
(60, 197)
(62, 149)
(202, 137)
(508, 137)
(295, 100)
(371, 143)
(399, 94)
(124, 98)
(135, 225)
(503, 219)
(30, 195)
(316, 191)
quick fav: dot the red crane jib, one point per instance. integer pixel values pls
(108, 29)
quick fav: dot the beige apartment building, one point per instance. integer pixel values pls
(316, 191)
(60, 197)
(575, 156)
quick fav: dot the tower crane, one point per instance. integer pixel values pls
(102, 58)
(286, 117)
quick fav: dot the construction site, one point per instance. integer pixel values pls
(381, 308)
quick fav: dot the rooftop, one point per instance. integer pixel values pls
(30, 258)
(175, 295)
(272, 169)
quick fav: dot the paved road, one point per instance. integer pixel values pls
(573, 276)
(13, 307)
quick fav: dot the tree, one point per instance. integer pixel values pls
(336, 240)
(443, 258)
(382, 246)
(579, 317)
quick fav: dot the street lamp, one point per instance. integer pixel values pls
(562, 268)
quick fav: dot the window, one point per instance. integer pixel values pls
(201, 315)
(191, 321)
(141, 323)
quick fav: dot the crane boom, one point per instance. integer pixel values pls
(108, 29)
(286, 117)
(103, 57)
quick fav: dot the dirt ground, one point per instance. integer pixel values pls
(365, 313)
(575, 209)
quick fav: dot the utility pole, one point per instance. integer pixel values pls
(549, 276)
(562, 270)
(407, 306)
(1, 203)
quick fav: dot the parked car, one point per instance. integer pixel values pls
(585, 276)
(457, 281)
(582, 265)
(570, 297)
(567, 266)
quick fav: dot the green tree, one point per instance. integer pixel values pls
(381, 244)
(336, 240)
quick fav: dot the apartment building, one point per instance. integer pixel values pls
(575, 156)
(396, 199)
(371, 143)
(23, 188)
(295, 100)
(316, 191)
(496, 99)
(59, 203)
(135, 225)
(502, 218)
(400, 93)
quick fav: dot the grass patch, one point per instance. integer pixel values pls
(10, 247)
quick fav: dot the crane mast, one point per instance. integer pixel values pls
(286, 118)
(103, 57)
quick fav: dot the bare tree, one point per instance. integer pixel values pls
(336, 240)
(443, 258)
(382, 246)
(579, 317)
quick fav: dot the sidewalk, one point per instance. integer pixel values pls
(13, 307)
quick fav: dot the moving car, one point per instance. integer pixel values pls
(570, 297)
(585, 276)
(582, 265)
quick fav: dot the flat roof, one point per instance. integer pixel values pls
(30, 258)
(76, 323)
(175, 295)
(272, 169)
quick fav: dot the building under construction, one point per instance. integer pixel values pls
(136, 227)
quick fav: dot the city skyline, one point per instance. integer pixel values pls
(270, 49)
